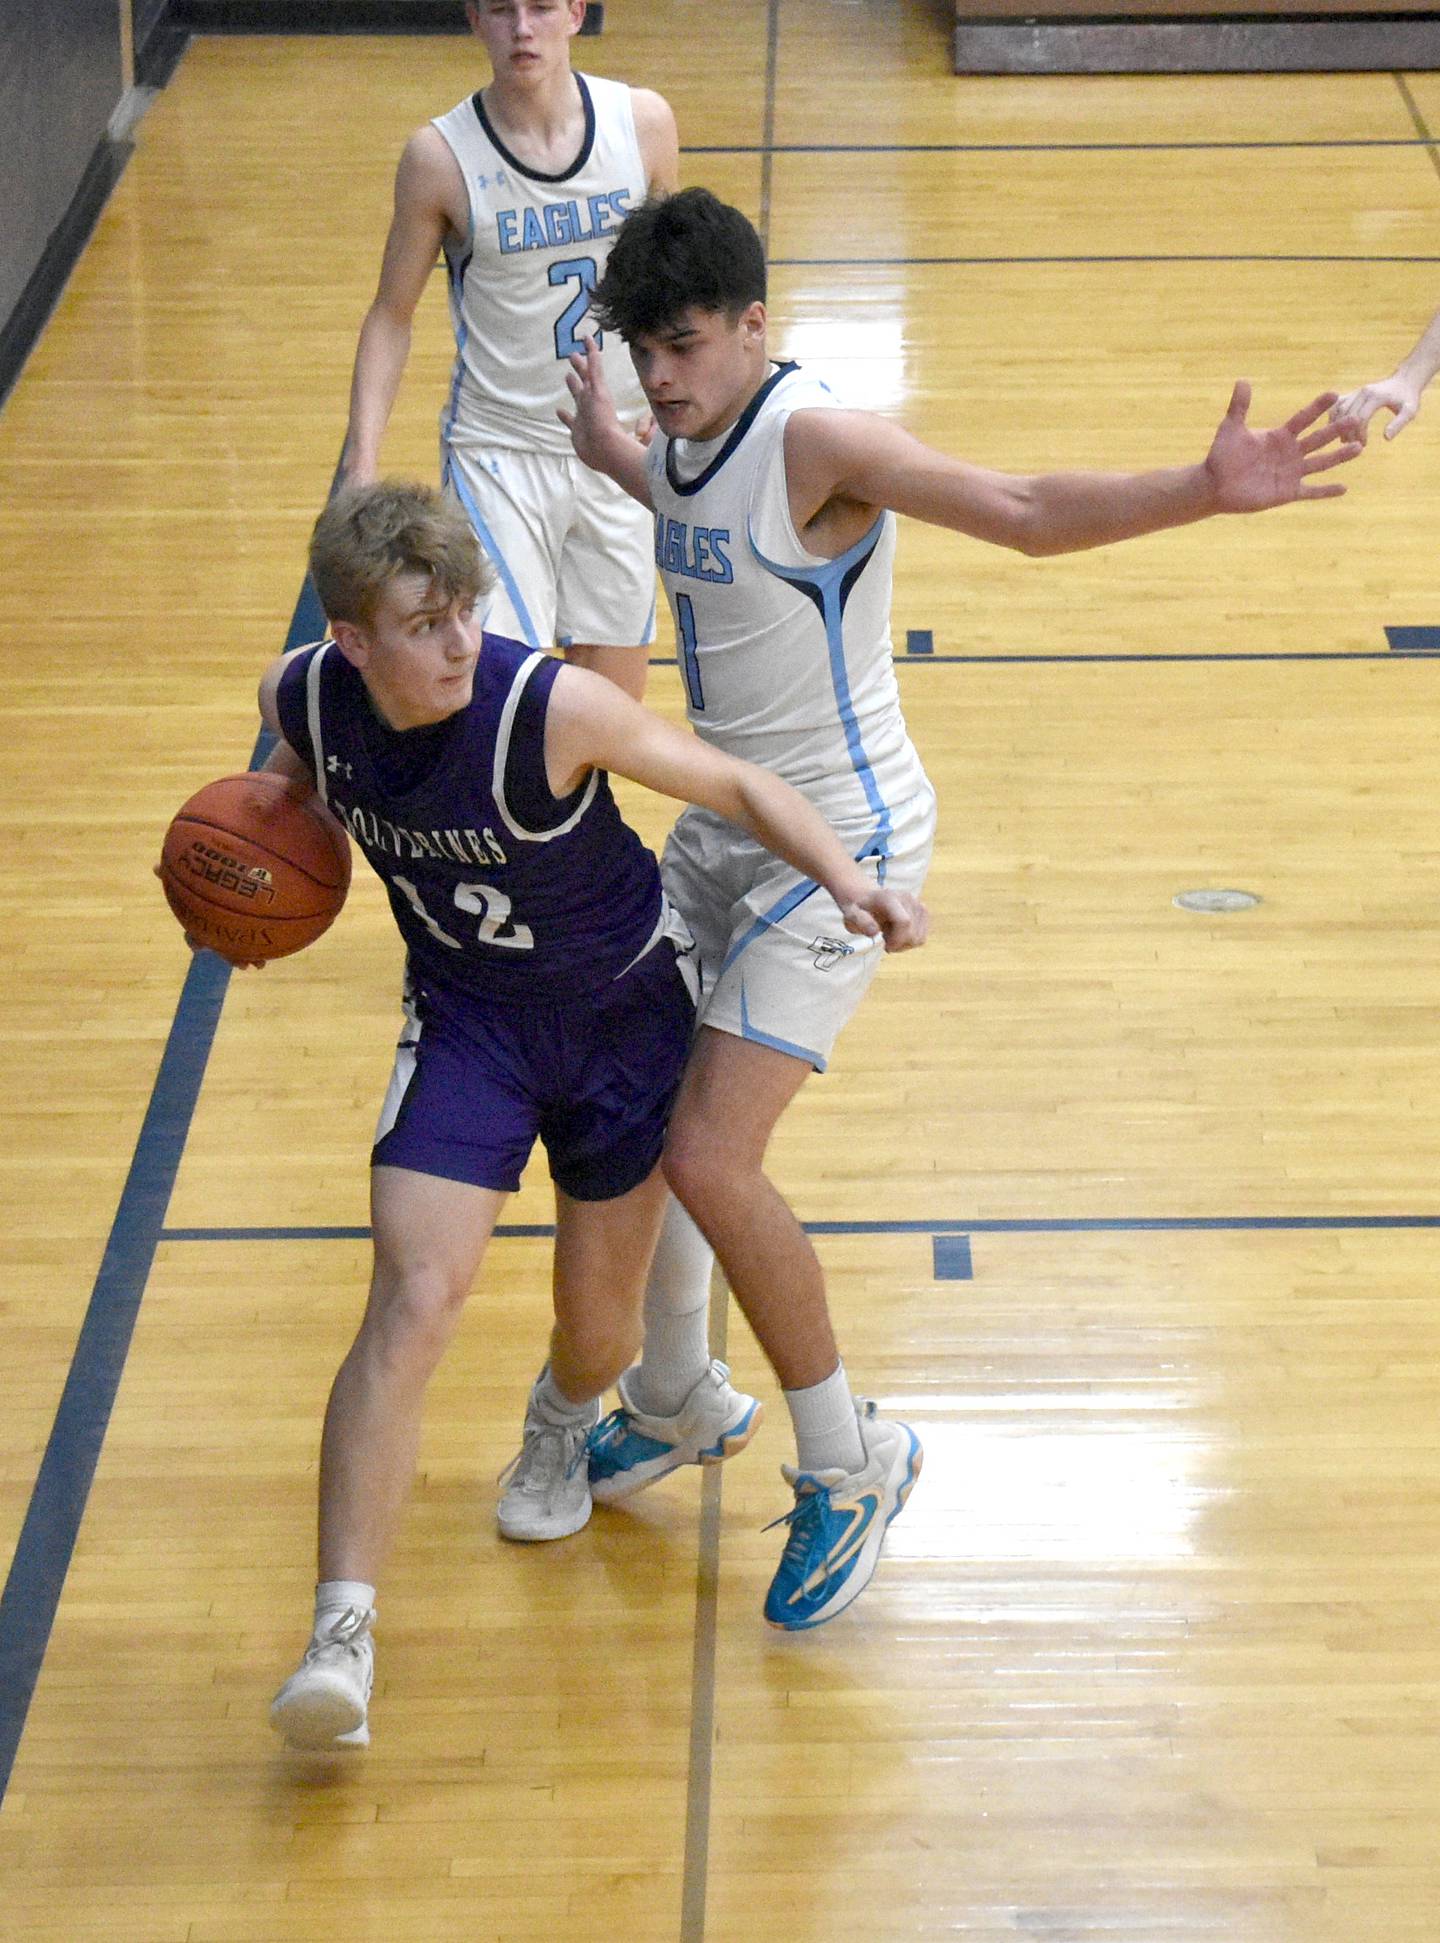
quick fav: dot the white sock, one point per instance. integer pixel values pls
(334, 1596)
(552, 1406)
(827, 1434)
(676, 1353)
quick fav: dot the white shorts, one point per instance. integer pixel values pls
(776, 963)
(574, 556)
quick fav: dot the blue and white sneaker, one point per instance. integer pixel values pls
(839, 1523)
(629, 1449)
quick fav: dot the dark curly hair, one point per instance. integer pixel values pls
(689, 251)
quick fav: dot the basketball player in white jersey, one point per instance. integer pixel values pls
(774, 533)
(523, 186)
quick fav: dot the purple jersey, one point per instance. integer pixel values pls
(499, 887)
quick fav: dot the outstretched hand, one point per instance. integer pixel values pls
(896, 916)
(1396, 395)
(1251, 470)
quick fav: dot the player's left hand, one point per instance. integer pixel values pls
(1251, 470)
(896, 916)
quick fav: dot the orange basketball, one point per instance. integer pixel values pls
(254, 868)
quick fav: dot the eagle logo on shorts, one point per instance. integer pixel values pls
(829, 951)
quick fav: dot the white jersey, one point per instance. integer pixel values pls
(787, 658)
(521, 281)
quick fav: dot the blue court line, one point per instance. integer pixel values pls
(929, 659)
(1413, 640)
(1042, 148)
(46, 1544)
(57, 1503)
(1019, 1225)
(973, 262)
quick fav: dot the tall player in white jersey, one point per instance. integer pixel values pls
(523, 186)
(773, 513)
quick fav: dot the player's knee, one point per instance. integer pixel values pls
(414, 1312)
(695, 1162)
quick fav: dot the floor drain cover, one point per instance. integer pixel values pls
(1217, 900)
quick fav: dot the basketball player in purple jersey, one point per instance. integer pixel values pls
(545, 996)
(774, 533)
(523, 186)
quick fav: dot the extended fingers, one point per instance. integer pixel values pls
(1348, 429)
(1301, 421)
(1342, 455)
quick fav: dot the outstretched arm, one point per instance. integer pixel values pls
(429, 195)
(835, 456)
(600, 440)
(591, 725)
(1398, 394)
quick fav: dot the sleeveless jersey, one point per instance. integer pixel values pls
(787, 658)
(498, 887)
(520, 282)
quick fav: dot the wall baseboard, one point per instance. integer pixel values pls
(1322, 43)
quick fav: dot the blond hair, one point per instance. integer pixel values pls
(369, 535)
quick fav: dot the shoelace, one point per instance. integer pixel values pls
(609, 1434)
(346, 1634)
(806, 1519)
(543, 1444)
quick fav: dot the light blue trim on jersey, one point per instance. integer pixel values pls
(456, 276)
(823, 584)
(760, 1038)
(493, 554)
(778, 912)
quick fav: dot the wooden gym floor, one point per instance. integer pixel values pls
(1132, 1210)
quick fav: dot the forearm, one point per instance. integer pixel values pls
(793, 829)
(1424, 361)
(380, 360)
(621, 457)
(1067, 512)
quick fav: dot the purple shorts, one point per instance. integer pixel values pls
(594, 1077)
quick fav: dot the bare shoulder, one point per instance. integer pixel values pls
(428, 179)
(823, 441)
(658, 137)
(830, 455)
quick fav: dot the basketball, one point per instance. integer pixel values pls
(253, 868)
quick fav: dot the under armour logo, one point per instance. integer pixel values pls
(334, 765)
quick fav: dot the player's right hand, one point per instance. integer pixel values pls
(1394, 395)
(195, 944)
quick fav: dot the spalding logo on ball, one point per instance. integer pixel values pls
(254, 868)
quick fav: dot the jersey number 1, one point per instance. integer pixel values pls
(581, 270)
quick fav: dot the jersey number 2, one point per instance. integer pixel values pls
(581, 270)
